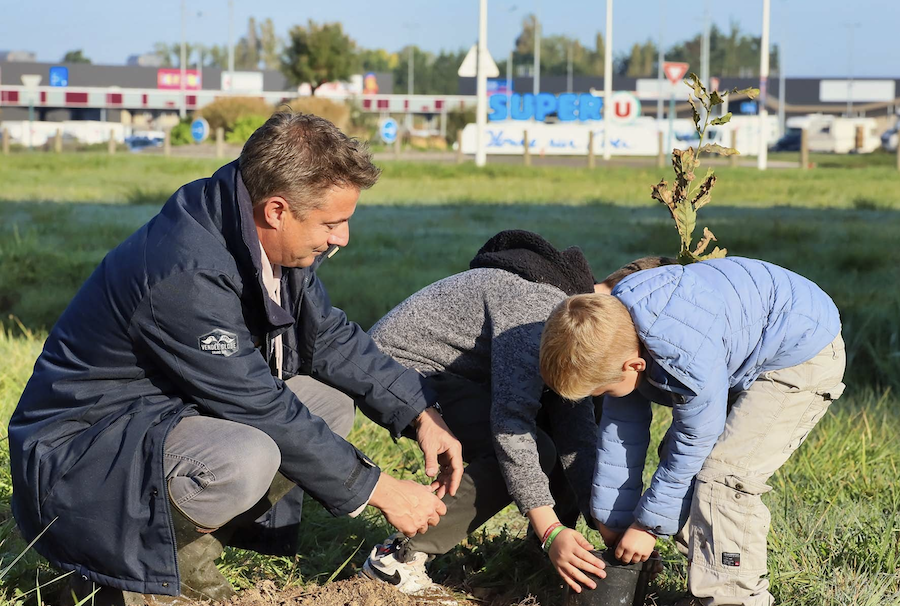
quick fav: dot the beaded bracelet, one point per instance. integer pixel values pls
(549, 530)
(549, 541)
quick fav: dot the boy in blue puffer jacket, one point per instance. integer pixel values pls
(749, 356)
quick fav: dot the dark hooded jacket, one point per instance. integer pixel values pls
(175, 321)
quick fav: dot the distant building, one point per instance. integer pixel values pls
(18, 56)
(145, 60)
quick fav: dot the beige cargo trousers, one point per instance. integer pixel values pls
(725, 535)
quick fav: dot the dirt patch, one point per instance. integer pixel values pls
(351, 592)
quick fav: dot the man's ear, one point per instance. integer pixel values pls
(272, 211)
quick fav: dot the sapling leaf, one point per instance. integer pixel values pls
(716, 99)
(715, 148)
(704, 242)
(696, 114)
(717, 253)
(751, 92)
(722, 120)
(703, 194)
(686, 220)
(699, 89)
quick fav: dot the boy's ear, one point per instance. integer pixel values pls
(637, 364)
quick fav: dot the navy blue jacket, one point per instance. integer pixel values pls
(710, 330)
(175, 322)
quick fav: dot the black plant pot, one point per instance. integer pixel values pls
(624, 585)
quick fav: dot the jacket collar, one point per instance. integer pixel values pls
(276, 316)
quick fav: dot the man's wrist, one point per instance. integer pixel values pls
(434, 406)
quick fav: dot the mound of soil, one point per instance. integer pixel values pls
(352, 592)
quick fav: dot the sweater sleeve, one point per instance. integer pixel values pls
(347, 358)
(516, 388)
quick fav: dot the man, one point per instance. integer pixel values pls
(182, 393)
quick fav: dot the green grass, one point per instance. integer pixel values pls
(835, 536)
(136, 179)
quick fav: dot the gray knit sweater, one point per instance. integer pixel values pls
(485, 325)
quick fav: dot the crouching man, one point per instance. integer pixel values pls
(201, 375)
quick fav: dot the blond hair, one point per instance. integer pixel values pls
(585, 342)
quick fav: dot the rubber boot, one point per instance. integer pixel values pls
(261, 530)
(197, 550)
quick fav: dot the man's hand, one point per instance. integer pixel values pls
(571, 554)
(408, 506)
(636, 545)
(442, 451)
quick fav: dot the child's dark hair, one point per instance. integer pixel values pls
(637, 265)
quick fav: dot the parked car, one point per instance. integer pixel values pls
(136, 144)
(789, 142)
(891, 137)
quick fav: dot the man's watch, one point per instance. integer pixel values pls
(435, 405)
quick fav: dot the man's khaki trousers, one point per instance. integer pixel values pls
(725, 535)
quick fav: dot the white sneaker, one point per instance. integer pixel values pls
(392, 562)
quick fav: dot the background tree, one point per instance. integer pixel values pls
(432, 74)
(377, 60)
(732, 54)
(270, 45)
(318, 53)
(554, 54)
(641, 61)
(75, 56)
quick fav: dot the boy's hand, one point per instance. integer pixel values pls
(571, 554)
(610, 537)
(636, 545)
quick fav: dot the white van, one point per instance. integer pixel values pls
(833, 134)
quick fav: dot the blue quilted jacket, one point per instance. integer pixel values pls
(708, 329)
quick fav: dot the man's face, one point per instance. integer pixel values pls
(292, 242)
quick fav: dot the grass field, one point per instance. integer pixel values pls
(836, 506)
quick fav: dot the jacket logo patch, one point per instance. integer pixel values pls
(731, 559)
(219, 342)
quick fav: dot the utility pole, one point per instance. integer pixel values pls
(537, 49)
(481, 86)
(660, 59)
(183, 111)
(607, 79)
(782, 87)
(569, 70)
(850, 27)
(411, 71)
(704, 46)
(762, 158)
(509, 86)
(231, 45)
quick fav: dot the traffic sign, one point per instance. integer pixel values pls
(199, 130)
(388, 129)
(59, 75)
(675, 71)
(469, 67)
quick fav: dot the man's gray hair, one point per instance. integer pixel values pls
(300, 156)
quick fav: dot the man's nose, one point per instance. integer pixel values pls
(341, 235)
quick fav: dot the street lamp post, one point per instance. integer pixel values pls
(850, 27)
(230, 45)
(481, 87)
(607, 80)
(183, 111)
(537, 48)
(762, 158)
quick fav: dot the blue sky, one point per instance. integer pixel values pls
(815, 33)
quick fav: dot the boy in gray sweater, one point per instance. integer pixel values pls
(476, 335)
